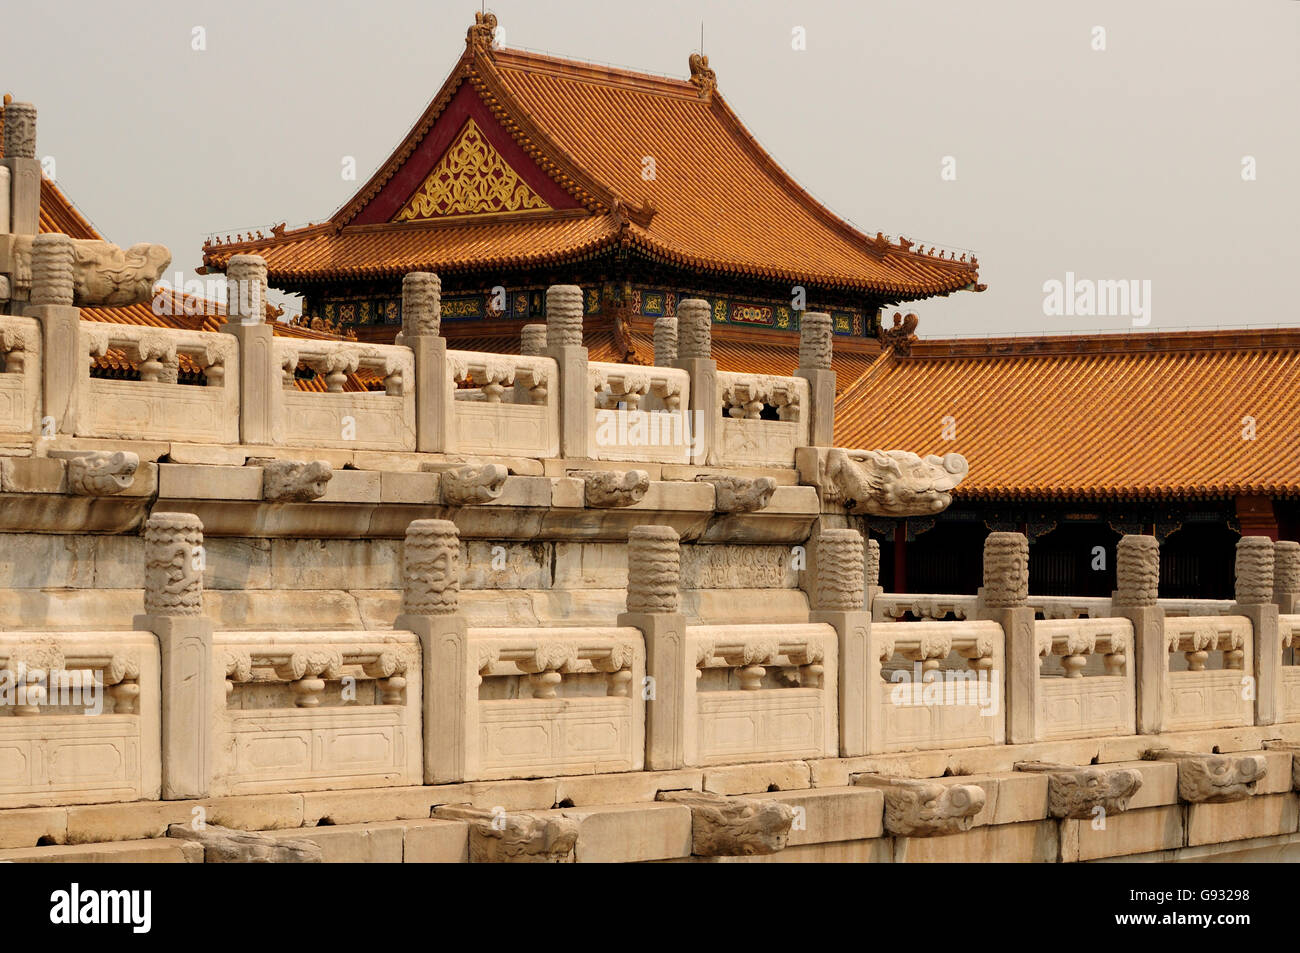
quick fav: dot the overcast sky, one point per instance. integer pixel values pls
(1117, 163)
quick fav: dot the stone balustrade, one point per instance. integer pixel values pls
(504, 404)
(20, 375)
(299, 711)
(550, 402)
(760, 693)
(435, 700)
(1087, 686)
(338, 417)
(158, 406)
(554, 701)
(79, 718)
(638, 413)
(765, 419)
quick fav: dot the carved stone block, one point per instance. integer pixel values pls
(694, 329)
(173, 577)
(653, 570)
(564, 316)
(466, 486)
(431, 568)
(734, 826)
(1254, 570)
(1215, 778)
(293, 481)
(515, 837)
(101, 472)
(894, 482)
(925, 808)
(1077, 792)
(611, 488)
(733, 494)
(221, 845)
(1137, 568)
(421, 304)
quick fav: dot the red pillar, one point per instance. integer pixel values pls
(1256, 517)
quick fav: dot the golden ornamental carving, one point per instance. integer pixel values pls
(471, 178)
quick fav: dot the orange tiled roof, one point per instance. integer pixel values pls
(718, 202)
(1093, 417)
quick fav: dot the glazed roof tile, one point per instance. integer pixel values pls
(1092, 417)
(718, 202)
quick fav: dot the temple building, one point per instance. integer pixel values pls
(1074, 441)
(525, 171)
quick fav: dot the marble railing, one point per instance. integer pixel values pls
(361, 420)
(296, 711)
(1086, 686)
(639, 413)
(504, 404)
(20, 375)
(915, 701)
(79, 717)
(895, 606)
(157, 407)
(759, 693)
(1211, 678)
(1288, 626)
(747, 438)
(543, 702)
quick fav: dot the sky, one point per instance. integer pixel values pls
(1146, 141)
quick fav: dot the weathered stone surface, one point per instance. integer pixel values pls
(607, 488)
(734, 826)
(895, 482)
(503, 837)
(293, 481)
(154, 851)
(1078, 792)
(466, 486)
(375, 843)
(734, 494)
(221, 845)
(925, 808)
(1214, 778)
(100, 473)
(654, 570)
(631, 833)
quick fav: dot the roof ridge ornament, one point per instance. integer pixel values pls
(901, 336)
(482, 36)
(702, 78)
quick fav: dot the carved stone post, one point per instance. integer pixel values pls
(815, 339)
(1004, 600)
(1286, 576)
(64, 363)
(564, 344)
(871, 573)
(654, 607)
(431, 609)
(838, 601)
(173, 611)
(695, 356)
(24, 168)
(434, 387)
(665, 341)
(532, 343)
(1254, 600)
(260, 381)
(1137, 570)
